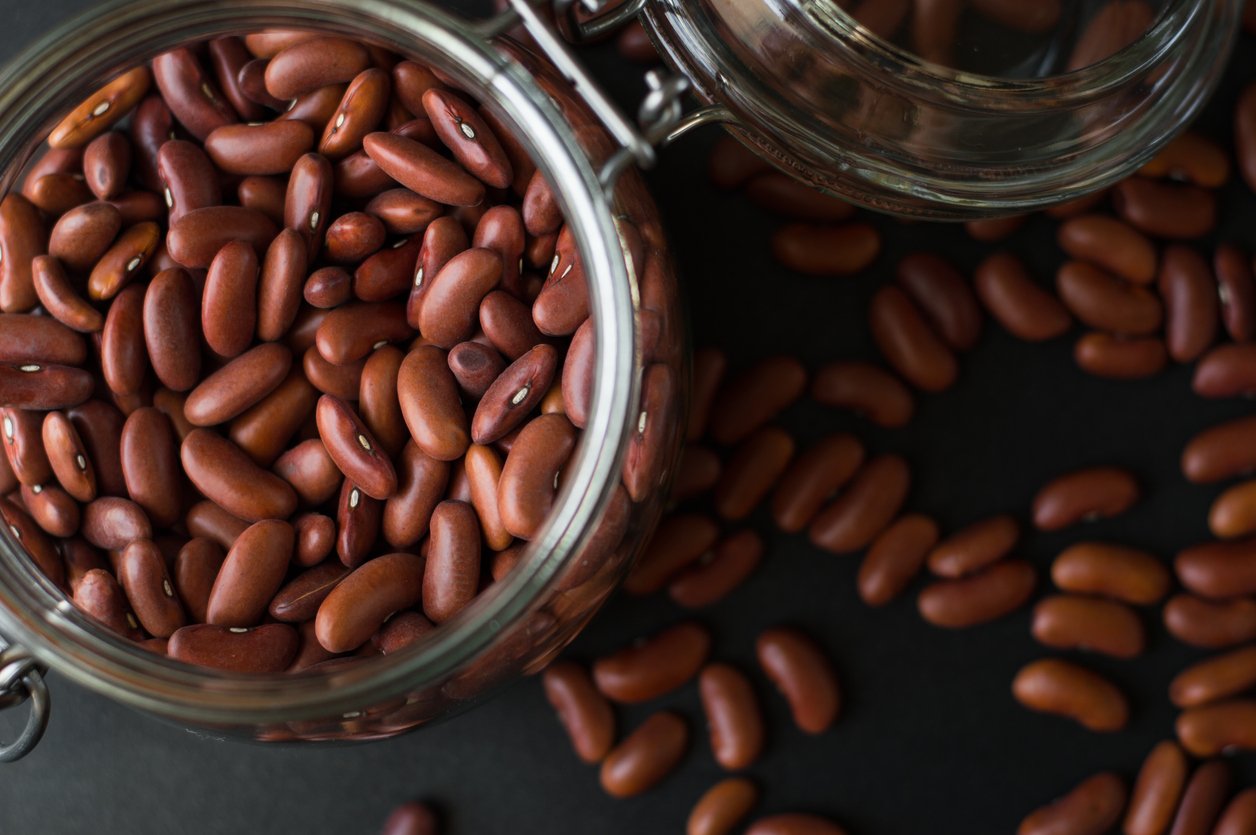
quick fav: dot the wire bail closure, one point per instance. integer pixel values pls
(661, 118)
(22, 679)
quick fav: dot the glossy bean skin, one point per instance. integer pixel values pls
(1233, 513)
(123, 260)
(53, 509)
(1020, 305)
(143, 576)
(228, 477)
(866, 389)
(866, 506)
(1190, 303)
(240, 384)
(59, 297)
(402, 212)
(722, 807)
(985, 596)
(1114, 571)
(483, 468)
(378, 403)
(24, 446)
(1226, 371)
(1210, 624)
(755, 466)
(171, 323)
(1108, 243)
(259, 149)
(825, 251)
(658, 665)
(1214, 679)
(1060, 687)
(1092, 808)
(99, 596)
(812, 478)
(209, 521)
(1076, 622)
(101, 110)
(646, 756)
(123, 353)
(411, 819)
(421, 483)
(422, 170)
(196, 237)
(733, 716)
(1218, 570)
(895, 558)
(583, 711)
(360, 111)
(41, 549)
(1205, 794)
(57, 193)
(196, 566)
(974, 547)
(353, 237)
(83, 234)
(279, 285)
(1237, 291)
(1119, 357)
(100, 427)
(527, 487)
(264, 195)
(452, 574)
(431, 405)
(316, 538)
(1108, 303)
(188, 178)
(263, 431)
(1082, 495)
(1157, 790)
(794, 823)
(944, 297)
(468, 137)
(251, 574)
(451, 303)
(187, 90)
(354, 449)
(1166, 210)
(803, 674)
(65, 453)
(150, 464)
(1239, 816)
(514, 395)
(112, 523)
(229, 303)
(264, 649)
(359, 603)
(22, 238)
(309, 65)
(42, 386)
(357, 524)
(1221, 452)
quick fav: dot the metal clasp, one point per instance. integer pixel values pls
(661, 118)
(22, 679)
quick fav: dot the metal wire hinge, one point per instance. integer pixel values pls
(661, 118)
(22, 679)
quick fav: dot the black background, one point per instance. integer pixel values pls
(930, 740)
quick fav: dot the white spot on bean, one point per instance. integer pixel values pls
(1223, 293)
(555, 481)
(400, 243)
(30, 368)
(467, 130)
(353, 714)
(554, 264)
(379, 344)
(133, 264)
(237, 630)
(37, 489)
(131, 621)
(340, 120)
(520, 263)
(9, 430)
(17, 534)
(355, 498)
(520, 396)
(208, 92)
(165, 587)
(81, 461)
(641, 421)
(169, 198)
(567, 271)
(364, 442)
(314, 219)
(102, 108)
(418, 278)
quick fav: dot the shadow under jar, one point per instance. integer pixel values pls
(609, 493)
(1015, 106)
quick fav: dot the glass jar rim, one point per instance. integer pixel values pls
(905, 69)
(68, 63)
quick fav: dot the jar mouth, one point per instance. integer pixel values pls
(903, 68)
(66, 65)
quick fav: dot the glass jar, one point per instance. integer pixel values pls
(820, 96)
(612, 489)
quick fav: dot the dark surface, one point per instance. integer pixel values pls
(930, 740)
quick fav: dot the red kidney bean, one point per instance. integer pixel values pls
(896, 556)
(112, 524)
(60, 298)
(56, 194)
(1120, 357)
(411, 819)
(190, 94)
(209, 521)
(378, 403)
(794, 823)
(974, 547)
(680, 540)
(353, 237)
(53, 509)
(142, 573)
(66, 454)
(865, 389)
(40, 386)
(150, 464)
(813, 478)
(754, 397)
(754, 467)
(170, 328)
(310, 471)
(452, 575)
(1108, 243)
(81, 236)
(251, 574)
(328, 288)
(123, 356)
(422, 170)
(1239, 816)
(1226, 371)
(280, 283)
(451, 302)
(563, 303)
(100, 427)
(653, 667)
(1115, 571)
(1093, 807)
(1218, 569)
(152, 125)
(1193, 158)
(359, 112)
(307, 203)
(541, 213)
(1205, 794)
(228, 57)
(263, 649)
(265, 195)
(196, 237)
(470, 140)
(316, 538)
(579, 369)
(1107, 303)
(507, 322)
(350, 333)
(733, 716)
(238, 385)
(944, 297)
(1237, 292)
(354, 450)
(582, 710)
(826, 250)
(229, 303)
(987, 230)
(101, 110)
(26, 451)
(1084, 495)
(1165, 210)
(343, 381)
(1232, 513)
(188, 178)
(22, 238)
(697, 473)
(1157, 790)
(484, 468)
(722, 807)
(265, 429)
(646, 756)
(99, 596)
(1190, 302)
(1020, 305)
(908, 342)
(38, 546)
(514, 395)
(708, 581)
(430, 404)
(1210, 624)
(1074, 622)
(123, 260)
(400, 631)
(387, 274)
(803, 674)
(309, 65)
(1051, 685)
(864, 508)
(1216, 678)
(107, 164)
(228, 477)
(475, 366)
(299, 600)
(402, 212)
(142, 207)
(195, 568)
(442, 241)
(985, 596)
(527, 488)
(421, 483)
(501, 230)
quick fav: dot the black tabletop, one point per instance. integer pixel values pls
(930, 740)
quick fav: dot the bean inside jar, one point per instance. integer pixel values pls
(295, 349)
